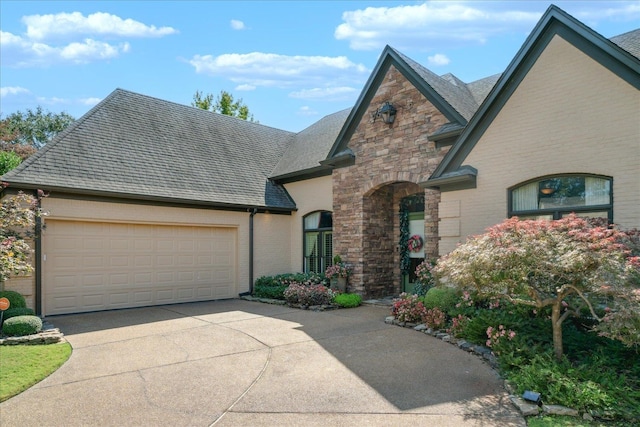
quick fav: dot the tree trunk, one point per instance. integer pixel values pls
(557, 329)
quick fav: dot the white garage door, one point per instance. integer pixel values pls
(90, 266)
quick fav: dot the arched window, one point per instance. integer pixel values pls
(318, 241)
(552, 197)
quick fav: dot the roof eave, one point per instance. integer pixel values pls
(340, 160)
(147, 198)
(461, 179)
(302, 175)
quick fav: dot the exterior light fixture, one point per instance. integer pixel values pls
(387, 112)
(532, 396)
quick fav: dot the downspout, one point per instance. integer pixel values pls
(252, 212)
(38, 260)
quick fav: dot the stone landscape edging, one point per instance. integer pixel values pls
(526, 408)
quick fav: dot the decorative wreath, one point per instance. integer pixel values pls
(415, 243)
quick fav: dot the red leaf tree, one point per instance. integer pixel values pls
(568, 265)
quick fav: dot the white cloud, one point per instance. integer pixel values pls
(53, 100)
(41, 45)
(12, 90)
(438, 59)
(332, 93)
(245, 87)
(22, 52)
(237, 25)
(41, 27)
(626, 11)
(422, 26)
(307, 111)
(89, 101)
(269, 69)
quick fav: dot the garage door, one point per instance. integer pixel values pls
(90, 266)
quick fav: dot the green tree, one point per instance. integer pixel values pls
(34, 128)
(569, 265)
(224, 104)
(8, 160)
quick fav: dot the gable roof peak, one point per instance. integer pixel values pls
(554, 22)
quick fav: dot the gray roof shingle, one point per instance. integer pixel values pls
(453, 90)
(131, 145)
(311, 145)
(629, 41)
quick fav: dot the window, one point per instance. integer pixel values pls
(553, 197)
(318, 242)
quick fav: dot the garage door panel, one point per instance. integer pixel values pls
(95, 301)
(165, 245)
(100, 266)
(143, 279)
(143, 261)
(119, 299)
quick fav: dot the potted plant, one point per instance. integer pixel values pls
(338, 273)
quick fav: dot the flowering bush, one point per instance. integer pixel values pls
(496, 335)
(17, 219)
(274, 286)
(457, 324)
(424, 276)
(338, 269)
(298, 293)
(434, 318)
(408, 308)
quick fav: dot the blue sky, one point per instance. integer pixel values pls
(291, 62)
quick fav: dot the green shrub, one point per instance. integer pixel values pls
(15, 299)
(13, 312)
(443, 298)
(347, 300)
(274, 286)
(583, 387)
(22, 325)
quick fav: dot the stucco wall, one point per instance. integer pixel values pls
(59, 208)
(272, 245)
(310, 195)
(569, 115)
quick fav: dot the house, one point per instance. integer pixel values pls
(152, 202)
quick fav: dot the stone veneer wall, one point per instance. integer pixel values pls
(390, 161)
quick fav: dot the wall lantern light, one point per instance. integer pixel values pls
(387, 112)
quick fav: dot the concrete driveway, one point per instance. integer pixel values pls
(241, 363)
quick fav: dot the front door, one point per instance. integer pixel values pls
(414, 209)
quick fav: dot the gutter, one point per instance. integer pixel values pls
(252, 213)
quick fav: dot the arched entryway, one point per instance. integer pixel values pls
(382, 272)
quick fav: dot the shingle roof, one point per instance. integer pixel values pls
(452, 89)
(131, 145)
(481, 88)
(629, 41)
(311, 145)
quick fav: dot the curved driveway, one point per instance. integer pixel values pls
(241, 363)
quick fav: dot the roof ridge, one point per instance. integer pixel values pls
(191, 107)
(60, 135)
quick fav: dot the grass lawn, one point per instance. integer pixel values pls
(22, 366)
(557, 421)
